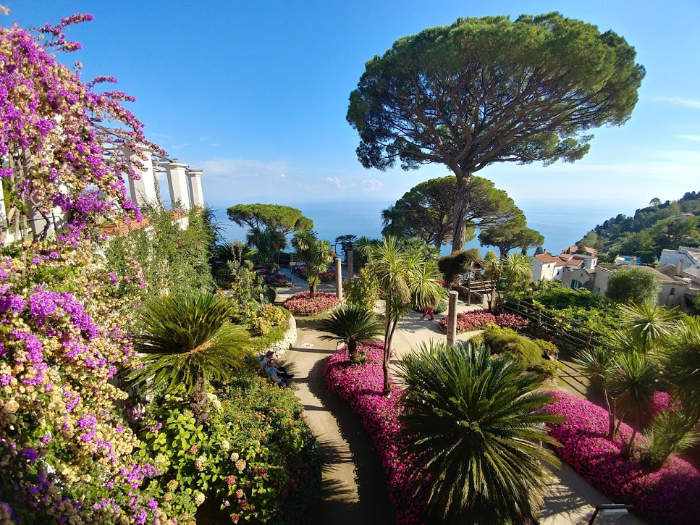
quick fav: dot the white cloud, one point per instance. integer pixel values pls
(691, 103)
(372, 185)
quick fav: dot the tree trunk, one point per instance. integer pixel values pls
(352, 348)
(611, 414)
(459, 211)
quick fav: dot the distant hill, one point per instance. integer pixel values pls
(660, 225)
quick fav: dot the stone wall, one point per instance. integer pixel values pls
(288, 339)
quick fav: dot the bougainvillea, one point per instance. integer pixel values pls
(362, 387)
(304, 304)
(63, 145)
(476, 320)
(667, 495)
(63, 438)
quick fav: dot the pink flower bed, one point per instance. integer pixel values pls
(468, 321)
(668, 495)
(361, 386)
(304, 304)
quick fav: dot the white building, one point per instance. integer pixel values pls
(684, 260)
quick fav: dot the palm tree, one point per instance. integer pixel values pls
(647, 322)
(401, 276)
(352, 324)
(671, 432)
(680, 361)
(315, 254)
(632, 382)
(513, 270)
(474, 423)
(188, 341)
(595, 364)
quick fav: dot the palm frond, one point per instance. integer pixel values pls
(352, 324)
(474, 423)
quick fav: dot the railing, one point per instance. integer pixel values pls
(572, 335)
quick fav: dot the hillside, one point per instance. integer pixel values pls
(661, 225)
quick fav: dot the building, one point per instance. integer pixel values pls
(548, 267)
(683, 260)
(626, 260)
(672, 290)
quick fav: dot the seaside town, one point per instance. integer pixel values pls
(448, 370)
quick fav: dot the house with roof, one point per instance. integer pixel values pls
(672, 290)
(683, 262)
(564, 267)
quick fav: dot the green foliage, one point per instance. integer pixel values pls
(352, 324)
(661, 225)
(633, 285)
(189, 341)
(362, 290)
(670, 432)
(475, 424)
(648, 323)
(528, 352)
(254, 455)
(457, 263)
(553, 294)
(228, 258)
(315, 254)
(427, 210)
(266, 319)
(268, 243)
(680, 360)
(513, 233)
(164, 258)
(282, 219)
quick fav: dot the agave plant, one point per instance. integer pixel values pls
(670, 432)
(474, 424)
(352, 324)
(188, 341)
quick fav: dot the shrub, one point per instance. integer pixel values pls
(661, 496)
(501, 340)
(362, 290)
(267, 318)
(513, 321)
(304, 304)
(253, 458)
(633, 285)
(476, 320)
(352, 324)
(456, 264)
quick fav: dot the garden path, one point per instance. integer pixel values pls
(353, 491)
(353, 488)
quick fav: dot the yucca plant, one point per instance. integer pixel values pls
(475, 429)
(595, 364)
(680, 362)
(632, 382)
(648, 322)
(670, 432)
(188, 342)
(352, 324)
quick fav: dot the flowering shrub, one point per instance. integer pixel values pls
(663, 496)
(267, 318)
(65, 446)
(253, 457)
(362, 386)
(476, 320)
(51, 145)
(304, 304)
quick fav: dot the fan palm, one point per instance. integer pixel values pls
(188, 341)
(475, 424)
(352, 324)
(632, 382)
(647, 322)
(401, 276)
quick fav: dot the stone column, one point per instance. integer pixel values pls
(339, 278)
(194, 182)
(4, 226)
(144, 191)
(351, 270)
(177, 184)
(452, 318)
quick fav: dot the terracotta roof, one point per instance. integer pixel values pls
(545, 258)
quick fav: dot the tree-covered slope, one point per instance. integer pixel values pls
(660, 225)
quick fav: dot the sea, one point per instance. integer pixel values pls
(561, 224)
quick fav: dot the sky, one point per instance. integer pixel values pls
(255, 93)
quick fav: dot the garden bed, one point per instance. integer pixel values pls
(477, 320)
(304, 304)
(667, 495)
(361, 386)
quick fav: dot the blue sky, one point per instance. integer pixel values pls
(256, 93)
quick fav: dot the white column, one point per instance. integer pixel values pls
(452, 318)
(4, 226)
(144, 191)
(338, 278)
(194, 181)
(177, 184)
